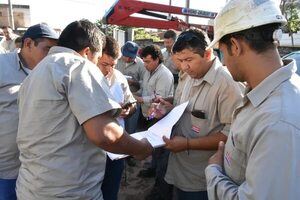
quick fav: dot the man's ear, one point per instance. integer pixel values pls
(208, 53)
(28, 42)
(84, 52)
(236, 46)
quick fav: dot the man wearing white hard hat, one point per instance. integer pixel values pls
(261, 158)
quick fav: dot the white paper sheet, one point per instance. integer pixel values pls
(155, 133)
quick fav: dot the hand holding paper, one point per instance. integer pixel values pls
(156, 132)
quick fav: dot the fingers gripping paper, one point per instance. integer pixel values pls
(155, 133)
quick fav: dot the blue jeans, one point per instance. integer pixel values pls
(131, 121)
(182, 195)
(8, 189)
(112, 178)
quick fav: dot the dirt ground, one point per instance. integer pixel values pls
(133, 187)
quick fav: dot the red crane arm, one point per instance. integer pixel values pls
(120, 14)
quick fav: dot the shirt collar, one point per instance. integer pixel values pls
(59, 49)
(22, 65)
(157, 68)
(258, 94)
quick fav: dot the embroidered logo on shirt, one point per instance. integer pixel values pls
(196, 129)
(228, 158)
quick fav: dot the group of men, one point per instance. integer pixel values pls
(233, 141)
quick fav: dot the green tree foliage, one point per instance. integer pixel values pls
(291, 10)
(109, 28)
(141, 33)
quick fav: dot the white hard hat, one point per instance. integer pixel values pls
(238, 15)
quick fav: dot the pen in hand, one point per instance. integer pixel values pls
(155, 109)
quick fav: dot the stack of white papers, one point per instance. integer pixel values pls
(155, 133)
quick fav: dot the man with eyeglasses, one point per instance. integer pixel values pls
(120, 90)
(213, 96)
(14, 68)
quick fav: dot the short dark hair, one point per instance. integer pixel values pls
(154, 51)
(193, 39)
(18, 40)
(81, 34)
(111, 47)
(258, 38)
(170, 34)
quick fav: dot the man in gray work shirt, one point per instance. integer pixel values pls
(67, 118)
(14, 68)
(261, 158)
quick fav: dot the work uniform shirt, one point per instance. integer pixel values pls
(262, 153)
(58, 161)
(12, 75)
(134, 71)
(120, 90)
(159, 82)
(181, 83)
(216, 95)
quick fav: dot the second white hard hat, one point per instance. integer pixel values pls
(238, 15)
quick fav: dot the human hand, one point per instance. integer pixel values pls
(176, 144)
(148, 149)
(218, 157)
(125, 112)
(159, 109)
(138, 99)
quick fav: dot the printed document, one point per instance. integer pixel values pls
(155, 133)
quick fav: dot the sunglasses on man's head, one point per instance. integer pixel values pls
(189, 36)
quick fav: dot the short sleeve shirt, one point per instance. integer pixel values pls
(11, 77)
(217, 95)
(58, 160)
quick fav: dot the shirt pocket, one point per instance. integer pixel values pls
(199, 126)
(234, 161)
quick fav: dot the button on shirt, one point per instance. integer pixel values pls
(11, 77)
(217, 95)
(58, 160)
(262, 153)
